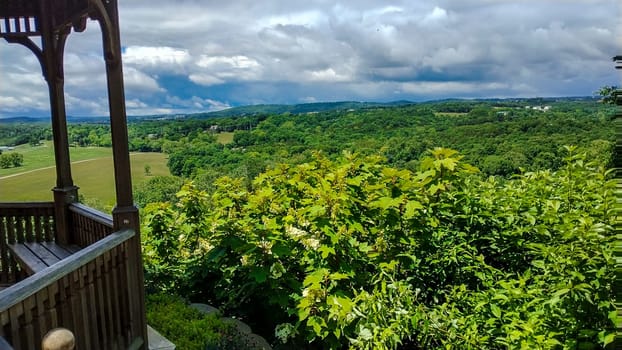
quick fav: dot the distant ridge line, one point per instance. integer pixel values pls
(301, 108)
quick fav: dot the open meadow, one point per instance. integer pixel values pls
(224, 137)
(37, 157)
(92, 171)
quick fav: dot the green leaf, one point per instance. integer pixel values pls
(365, 334)
(259, 274)
(386, 203)
(608, 338)
(316, 210)
(355, 181)
(613, 316)
(449, 163)
(411, 209)
(317, 324)
(325, 251)
(496, 311)
(337, 333)
(344, 303)
(561, 292)
(336, 276)
(314, 279)
(303, 313)
(279, 249)
(500, 296)
(436, 187)
(364, 248)
(530, 218)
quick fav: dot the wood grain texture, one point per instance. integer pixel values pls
(75, 293)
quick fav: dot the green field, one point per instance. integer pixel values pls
(224, 137)
(38, 157)
(94, 176)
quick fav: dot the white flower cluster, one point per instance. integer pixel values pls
(303, 237)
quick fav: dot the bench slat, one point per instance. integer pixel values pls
(60, 251)
(34, 257)
(40, 251)
(26, 258)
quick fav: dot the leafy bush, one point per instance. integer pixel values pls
(188, 328)
(157, 189)
(330, 254)
(12, 159)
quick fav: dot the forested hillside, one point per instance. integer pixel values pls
(499, 138)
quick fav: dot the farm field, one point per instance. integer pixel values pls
(94, 176)
(38, 157)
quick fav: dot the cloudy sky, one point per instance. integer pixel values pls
(202, 55)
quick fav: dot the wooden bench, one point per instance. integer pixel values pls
(34, 257)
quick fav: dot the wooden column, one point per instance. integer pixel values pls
(53, 46)
(125, 213)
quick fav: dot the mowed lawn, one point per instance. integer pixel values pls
(95, 177)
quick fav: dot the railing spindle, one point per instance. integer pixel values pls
(21, 222)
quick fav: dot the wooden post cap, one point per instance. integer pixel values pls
(58, 339)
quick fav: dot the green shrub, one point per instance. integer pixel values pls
(188, 328)
(331, 254)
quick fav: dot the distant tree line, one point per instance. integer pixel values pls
(14, 134)
(498, 140)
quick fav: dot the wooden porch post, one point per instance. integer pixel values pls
(53, 46)
(125, 213)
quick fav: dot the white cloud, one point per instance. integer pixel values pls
(205, 79)
(457, 89)
(308, 99)
(85, 106)
(215, 70)
(448, 56)
(153, 56)
(310, 18)
(9, 102)
(22, 91)
(196, 103)
(137, 81)
(438, 14)
(157, 59)
(152, 111)
(20, 104)
(135, 104)
(237, 62)
(327, 75)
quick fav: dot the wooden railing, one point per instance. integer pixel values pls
(19, 223)
(88, 225)
(89, 292)
(95, 292)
